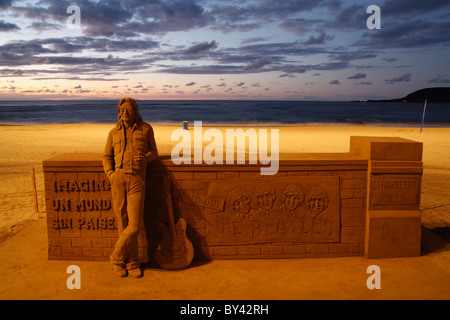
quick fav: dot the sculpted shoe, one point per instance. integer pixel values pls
(121, 272)
(135, 273)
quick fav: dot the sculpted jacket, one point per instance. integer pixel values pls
(142, 144)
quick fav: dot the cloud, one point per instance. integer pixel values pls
(358, 76)
(320, 39)
(249, 15)
(440, 79)
(234, 69)
(408, 33)
(6, 3)
(190, 84)
(329, 66)
(406, 7)
(258, 64)
(299, 26)
(209, 69)
(350, 56)
(403, 78)
(25, 52)
(80, 79)
(62, 54)
(126, 18)
(255, 39)
(201, 47)
(98, 18)
(286, 75)
(335, 82)
(351, 18)
(5, 26)
(278, 49)
(99, 44)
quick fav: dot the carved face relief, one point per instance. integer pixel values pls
(239, 201)
(265, 200)
(242, 205)
(293, 197)
(265, 196)
(317, 200)
(292, 201)
(301, 209)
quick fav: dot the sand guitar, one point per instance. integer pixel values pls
(175, 251)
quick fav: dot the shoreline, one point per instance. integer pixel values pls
(247, 124)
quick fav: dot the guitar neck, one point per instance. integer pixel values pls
(170, 209)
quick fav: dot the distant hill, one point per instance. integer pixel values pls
(436, 95)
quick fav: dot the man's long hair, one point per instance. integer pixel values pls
(138, 119)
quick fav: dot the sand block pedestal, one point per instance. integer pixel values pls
(393, 223)
(393, 233)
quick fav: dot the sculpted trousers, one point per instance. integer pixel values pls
(128, 194)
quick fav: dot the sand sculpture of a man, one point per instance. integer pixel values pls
(130, 147)
(239, 200)
(265, 196)
(314, 221)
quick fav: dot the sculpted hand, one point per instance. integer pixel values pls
(139, 162)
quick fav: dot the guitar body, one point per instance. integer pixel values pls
(176, 253)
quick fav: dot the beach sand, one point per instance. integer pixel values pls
(23, 235)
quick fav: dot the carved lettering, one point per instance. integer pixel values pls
(80, 204)
(60, 204)
(85, 185)
(396, 235)
(394, 185)
(207, 202)
(394, 190)
(84, 223)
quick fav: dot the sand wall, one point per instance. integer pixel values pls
(316, 205)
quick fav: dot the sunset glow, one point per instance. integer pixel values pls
(199, 49)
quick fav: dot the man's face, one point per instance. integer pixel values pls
(317, 203)
(127, 113)
(266, 200)
(242, 205)
(292, 201)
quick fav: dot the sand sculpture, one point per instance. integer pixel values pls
(365, 202)
(129, 148)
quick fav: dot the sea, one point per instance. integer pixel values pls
(230, 112)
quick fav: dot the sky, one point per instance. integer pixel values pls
(216, 49)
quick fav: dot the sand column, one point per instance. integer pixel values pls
(393, 224)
